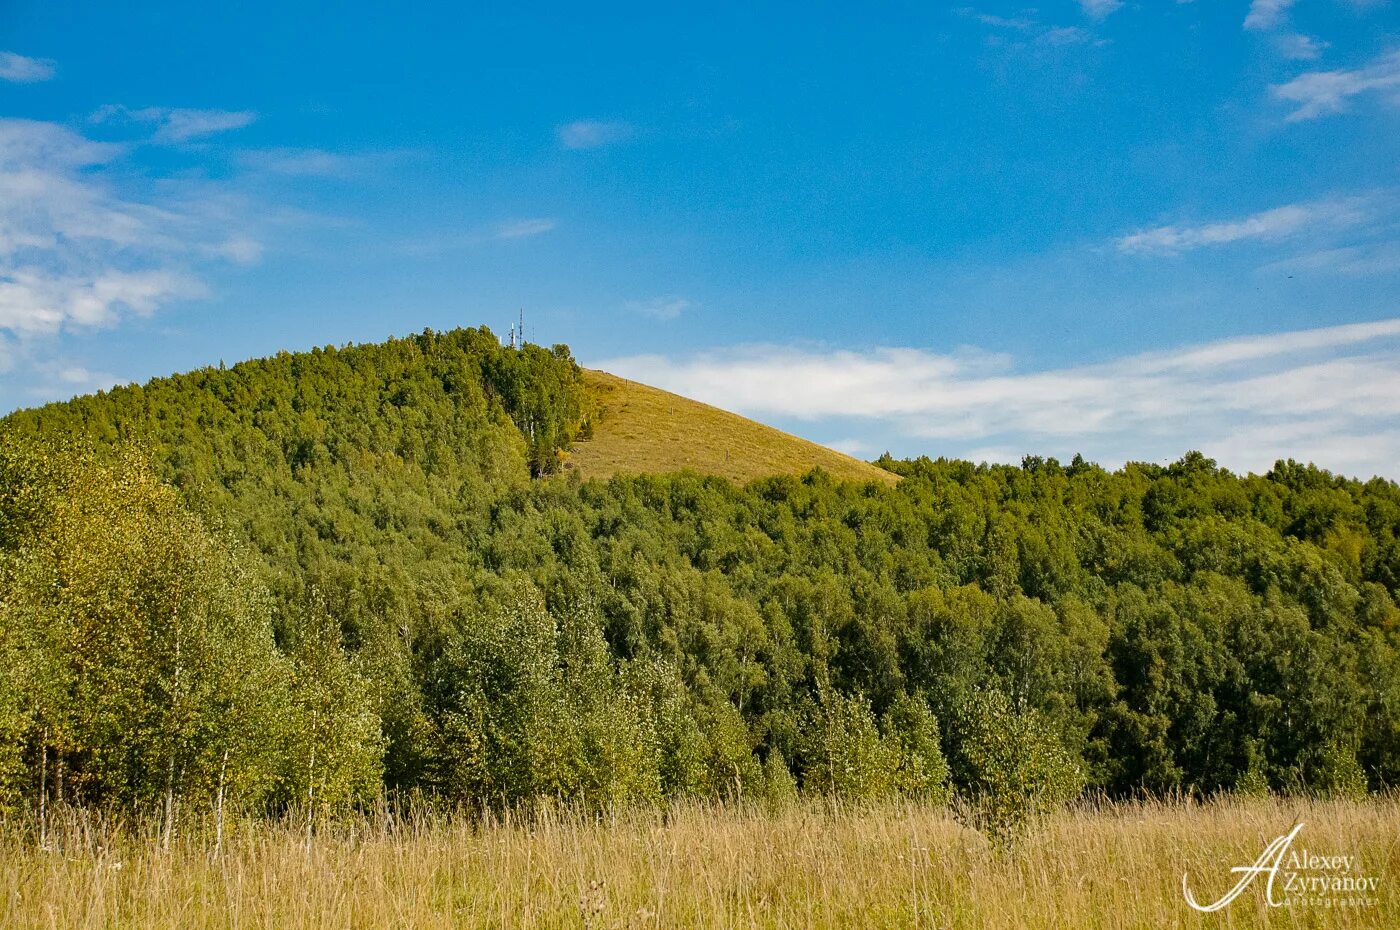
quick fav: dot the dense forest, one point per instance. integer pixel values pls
(320, 578)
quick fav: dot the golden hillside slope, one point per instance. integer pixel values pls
(645, 430)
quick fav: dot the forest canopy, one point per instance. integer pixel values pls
(318, 577)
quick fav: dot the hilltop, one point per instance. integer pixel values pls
(387, 527)
(640, 429)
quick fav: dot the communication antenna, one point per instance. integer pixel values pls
(512, 335)
(522, 327)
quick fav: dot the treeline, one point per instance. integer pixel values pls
(338, 577)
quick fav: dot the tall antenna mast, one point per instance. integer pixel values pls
(522, 327)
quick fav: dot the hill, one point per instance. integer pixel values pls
(358, 556)
(640, 429)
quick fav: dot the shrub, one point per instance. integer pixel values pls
(1011, 765)
(920, 771)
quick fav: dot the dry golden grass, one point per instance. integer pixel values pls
(701, 867)
(644, 430)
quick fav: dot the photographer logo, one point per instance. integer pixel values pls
(1297, 878)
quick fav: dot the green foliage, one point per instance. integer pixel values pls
(779, 787)
(844, 754)
(1011, 764)
(344, 551)
(920, 771)
(1252, 781)
(138, 646)
(334, 747)
(1337, 773)
(528, 707)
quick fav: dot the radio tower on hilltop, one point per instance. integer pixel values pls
(517, 332)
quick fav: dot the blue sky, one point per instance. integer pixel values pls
(1126, 229)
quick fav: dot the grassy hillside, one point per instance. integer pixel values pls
(645, 430)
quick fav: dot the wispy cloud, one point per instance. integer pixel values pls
(79, 252)
(176, 124)
(521, 229)
(471, 238)
(1023, 23)
(592, 134)
(1266, 14)
(1278, 223)
(1317, 93)
(1371, 258)
(22, 70)
(315, 163)
(1331, 395)
(661, 308)
(1099, 9)
(1299, 47)
(855, 447)
(1031, 31)
(33, 300)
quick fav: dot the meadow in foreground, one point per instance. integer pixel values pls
(810, 865)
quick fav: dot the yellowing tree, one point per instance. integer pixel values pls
(139, 647)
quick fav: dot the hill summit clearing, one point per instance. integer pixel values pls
(644, 430)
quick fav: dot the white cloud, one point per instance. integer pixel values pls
(1299, 47)
(241, 249)
(1035, 32)
(1278, 223)
(1331, 395)
(317, 163)
(35, 301)
(1266, 14)
(22, 70)
(1367, 258)
(1318, 93)
(76, 254)
(521, 229)
(176, 124)
(298, 162)
(1099, 9)
(853, 447)
(592, 134)
(1067, 35)
(1019, 23)
(661, 308)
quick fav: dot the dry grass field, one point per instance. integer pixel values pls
(703, 867)
(644, 430)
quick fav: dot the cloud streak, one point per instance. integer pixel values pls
(1299, 47)
(79, 251)
(1100, 9)
(21, 70)
(593, 134)
(661, 308)
(174, 124)
(1319, 93)
(1331, 395)
(523, 229)
(1269, 225)
(1034, 32)
(1266, 14)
